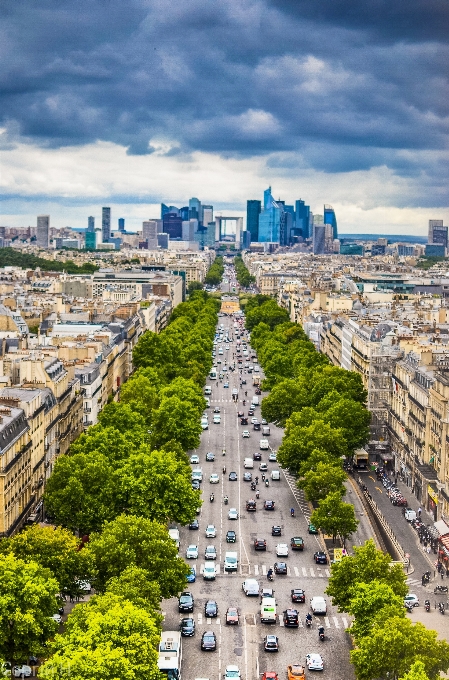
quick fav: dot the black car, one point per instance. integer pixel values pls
(256, 426)
(240, 414)
(280, 568)
(210, 456)
(216, 410)
(269, 505)
(276, 531)
(251, 412)
(320, 557)
(196, 485)
(187, 627)
(232, 476)
(257, 455)
(297, 543)
(211, 609)
(247, 477)
(194, 525)
(298, 595)
(260, 544)
(243, 382)
(291, 618)
(208, 641)
(231, 537)
(185, 602)
(243, 421)
(271, 643)
(251, 505)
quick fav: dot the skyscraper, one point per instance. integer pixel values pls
(91, 240)
(195, 211)
(172, 225)
(438, 234)
(253, 209)
(302, 219)
(91, 224)
(106, 224)
(43, 230)
(149, 234)
(319, 239)
(329, 218)
(121, 224)
(208, 214)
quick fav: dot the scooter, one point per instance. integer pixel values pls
(224, 469)
(244, 402)
(308, 620)
(225, 500)
(270, 576)
(253, 486)
(211, 498)
(292, 512)
(321, 633)
(257, 493)
(440, 589)
(223, 453)
(427, 605)
(441, 607)
(267, 483)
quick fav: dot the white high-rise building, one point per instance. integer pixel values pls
(208, 214)
(149, 233)
(43, 231)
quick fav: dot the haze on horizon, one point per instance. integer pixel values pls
(130, 104)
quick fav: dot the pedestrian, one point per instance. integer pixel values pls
(442, 575)
(419, 512)
(439, 567)
(428, 549)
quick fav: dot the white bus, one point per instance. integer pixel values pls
(213, 374)
(170, 654)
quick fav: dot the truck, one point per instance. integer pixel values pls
(256, 380)
(268, 610)
(170, 654)
(174, 535)
(231, 561)
(248, 463)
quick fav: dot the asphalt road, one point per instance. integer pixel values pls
(243, 644)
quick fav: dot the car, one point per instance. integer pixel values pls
(204, 425)
(320, 557)
(194, 525)
(194, 459)
(411, 599)
(191, 576)
(264, 445)
(263, 467)
(210, 552)
(243, 382)
(296, 543)
(271, 643)
(256, 426)
(263, 421)
(232, 616)
(226, 384)
(251, 505)
(291, 618)
(196, 484)
(208, 641)
(243, 421)
(250, 587)
(314, 662)
(192, 552)
(211, 531)
(232, 477)
(280, 568)
(233, 514)
(240, 414)
(209, 572)
(57, 618)
(211, 609)
(260, 544)
(186, 602)
(272, 458)
(268, 505)
(296, 672)
(216, 409)
(187, 627)
(231, 537)
(257, 455)
(210, 457)
(311, 528)
(245, 434)
(247, 477)
(298, 595)
(251, 412)
(232, 673)
(214, 479)
(282, 550)
(254, 420)
(276, 531)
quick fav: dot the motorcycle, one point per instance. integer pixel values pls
(244, 402)
(253, 486)
(225, 500)
(223, 453)
(211, 498)
(321, 633)
(409, 607)
(267, 483)
(308, 620)
(292, 512)
(441, 607)
(224, 469)
(427, 605)
(440, 589)
(257, 493)
(270, 576)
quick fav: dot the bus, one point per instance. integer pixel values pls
(170, 654)
(213, 374)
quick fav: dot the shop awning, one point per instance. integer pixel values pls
(444, 541)
(441, 527)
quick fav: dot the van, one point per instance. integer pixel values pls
(264, 445)
(275, 475)
(197, 474)
(208, 390)
(248, 463)
(255, 400)
(318, 605)
(268, 610)
(174, 535)
(410, 515)
(231, 562)
(265, 431)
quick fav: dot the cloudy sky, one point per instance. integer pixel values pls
(127, 104)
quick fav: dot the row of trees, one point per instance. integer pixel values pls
(122, 483)
(388, 644)
(16, 258)
(215, 273)
(244, 278)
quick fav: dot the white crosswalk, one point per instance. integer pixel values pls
(302, 572)
(336, 622)
(413, 581)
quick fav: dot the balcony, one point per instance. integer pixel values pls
(87, 410)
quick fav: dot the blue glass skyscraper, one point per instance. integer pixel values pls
(302, 219)
(329, 218)
(253, 209)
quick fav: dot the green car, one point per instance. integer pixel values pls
(230, 537)
(312, 529)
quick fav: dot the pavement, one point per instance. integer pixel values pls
(243, 644)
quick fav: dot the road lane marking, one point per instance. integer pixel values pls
(380, 490)
(256, 570)
(312, 573)
(281, 622)
(289, 571)
(337, 624)
(320, 574)
(327, 622)
(296, 571)
(304, 571)
(327, 572)
(208, 621)
(264, 570)
(217, 621)
(200, 619)
(345, 623)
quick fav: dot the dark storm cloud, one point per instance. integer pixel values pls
(344, 84)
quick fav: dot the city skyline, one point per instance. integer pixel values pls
(108, 107)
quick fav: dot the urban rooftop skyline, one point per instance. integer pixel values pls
(337, 102)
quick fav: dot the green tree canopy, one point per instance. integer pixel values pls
(299, 442)
(417, 672)
(140, 393)
(335, 517)
(348, 415)
(367, 564)
(373, 604)
(186, 390)
(136, 541)
(105, 441)
(27, 603)
(286, 397)
(134, 584)
(323, 480)
(123, 418)
(176, 420)
(317, 456)
(194, 285)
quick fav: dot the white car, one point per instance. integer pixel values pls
(192, 552)
(254, 420)
(411, 599)
(211, 531)
(217, 419)
(314, 662)
(282, 550)
(214, 479)
(210, 553)
(272, 457)
(194, 459)
(250, 587)
(233, 514)
(57, 618)
(204, 425)
(245, 434)
(209, 572)
(264, 445)
(232, 673)
(23, 671)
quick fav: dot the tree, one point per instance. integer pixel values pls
(186, 390)
(417, 672)
(58, 550)
(335, 517)
(141, 395)
(373, 604)
(348, 415)
(367, 564)
(194, 285)
(108, 637)
(177, 420)
(286, 397)
(27, 603)
(323, 480)
(328, 378)
(136, 541)
(390, 651)
(104, 441)
(317, 456)
(123, 418)
(299, 442)
(134, 584)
